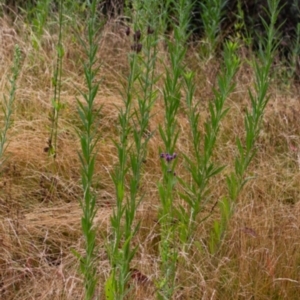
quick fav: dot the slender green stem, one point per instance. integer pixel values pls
(211, 15)
(8, 103)
(169, 134)
(120, 252)
(142, 64)
(88, 139)
(56, 81)
(253, 122)
(201, 166)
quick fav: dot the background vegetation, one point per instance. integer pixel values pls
(149, 150)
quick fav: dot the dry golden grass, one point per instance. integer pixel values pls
(39, 208)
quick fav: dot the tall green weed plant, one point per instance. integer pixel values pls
(211, 15)
(201, 166)
(8, 103)
(89, 116)
(37, 16)
(253, 122)
(119, 250)
(56, 82)
(134, 119)
(169, 133)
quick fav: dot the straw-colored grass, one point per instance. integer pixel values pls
(39, 208)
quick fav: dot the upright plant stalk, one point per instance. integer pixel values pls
(201, 166)
(295, 51)
(240, 29)
(88, 140)
(152, 13)
(211, 16)
(169, 135)
(37, 16)
(56, 81)
(7, 106)
(119, 248)
(41, 14)
(121, 252)
(253, 120)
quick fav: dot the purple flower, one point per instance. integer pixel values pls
(137, 36)
(168, 157)
(137, 47)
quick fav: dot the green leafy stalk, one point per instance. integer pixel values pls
(211, 15)
(7, 106)
(56, 81)
(259, 101)
(169, 134)
(38, 15)
(131, 160)
(201, 167)
(253, 122)
(88, 140)
(120, 250)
